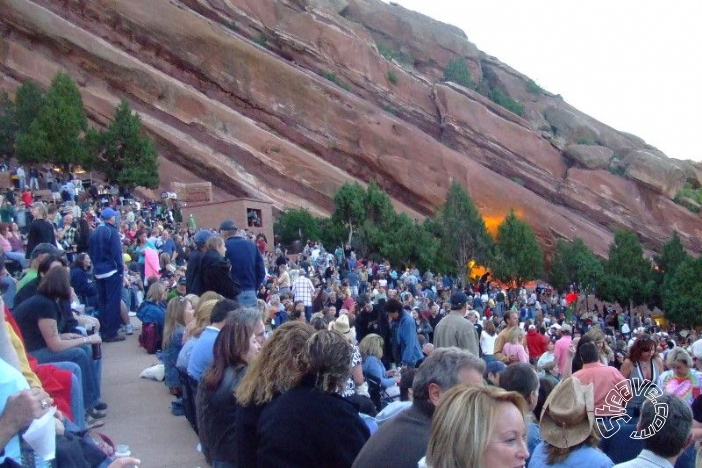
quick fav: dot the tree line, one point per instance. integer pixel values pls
(51, 127)
(456, 236)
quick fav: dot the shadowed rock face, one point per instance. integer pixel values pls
(288, 100)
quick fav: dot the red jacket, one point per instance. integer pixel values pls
(537, 344)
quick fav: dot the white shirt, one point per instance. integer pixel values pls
(487, 342)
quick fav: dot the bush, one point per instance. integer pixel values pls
(499, 97)
(262, 40)
(385, 50)
(533, 88)
(617, 170)
(585, 141)
(517, 180)
(392, 77)
(457, 71)
(333, 78)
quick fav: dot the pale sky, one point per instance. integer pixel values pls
(634, 65)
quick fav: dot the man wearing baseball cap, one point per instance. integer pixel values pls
(454, 329)
(248, 268)
(108, 268)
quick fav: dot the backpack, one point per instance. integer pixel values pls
(150, 338)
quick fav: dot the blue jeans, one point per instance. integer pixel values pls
(19, 258)
(309, 310)
(10, 287)
(90, 369)
(110, 299)
(77, 406)
(247, 298)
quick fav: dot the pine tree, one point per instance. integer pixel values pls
(463, 235)
(518, 255)
(8, 126)
(127, 156)
(55, 135)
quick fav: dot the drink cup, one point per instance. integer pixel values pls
(122, 451)
(696, 392)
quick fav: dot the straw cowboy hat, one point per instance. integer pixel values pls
(569, 414)
(342, 326)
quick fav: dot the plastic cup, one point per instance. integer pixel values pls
(122, 451)
(696, 392)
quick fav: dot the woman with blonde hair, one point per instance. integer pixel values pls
(682, 376)
(275, 371)
(480, 427)
(371, 348)
(178, 312)
(514, 347)
(600, 340)
(201, 318)
(153, 309)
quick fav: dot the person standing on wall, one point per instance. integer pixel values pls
(248, 268)
(108, 268)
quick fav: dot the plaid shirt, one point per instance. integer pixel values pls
(68, 241)
(303, 290)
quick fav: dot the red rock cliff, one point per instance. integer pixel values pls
(234, 92)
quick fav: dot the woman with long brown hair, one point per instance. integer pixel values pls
(234, 350)
(642, 363)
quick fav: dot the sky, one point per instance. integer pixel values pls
(634, 65)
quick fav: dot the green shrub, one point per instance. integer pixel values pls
(585, 141)
(457, 71)
(391, 110)
(392, 77)
(617, 170)
(385, 50)
(533, 88)
(262, 40)
(497, 96)
(332, 77)
(517, 180)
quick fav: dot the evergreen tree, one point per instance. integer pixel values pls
(350, 208)
(29, 100)
(128, 157)
(292, 225)
(682, 300)
(462, 231)
(628, 276)
(518, 255)
(8, 126)
(672, 255)
(55, 135)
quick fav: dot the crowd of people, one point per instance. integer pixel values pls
(325, 359)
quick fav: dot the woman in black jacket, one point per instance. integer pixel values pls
(302, 427)
(41, 230)
(215, 270)
(236, 345)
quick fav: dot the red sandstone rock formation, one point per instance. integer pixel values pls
(235, 93)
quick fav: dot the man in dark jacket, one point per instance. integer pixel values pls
(216, 270)
(193, 279)
(248, 268)
(442, 370)
(108, 269)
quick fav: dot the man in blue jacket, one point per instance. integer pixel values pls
(108, 268)
(405, 334)
(248, 268)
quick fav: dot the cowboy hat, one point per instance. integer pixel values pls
(342, 326)
(569, 414)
